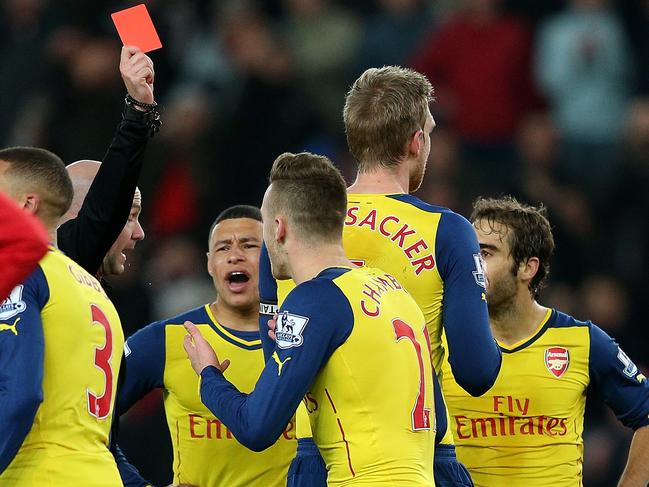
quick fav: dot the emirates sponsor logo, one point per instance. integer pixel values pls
(557, 360)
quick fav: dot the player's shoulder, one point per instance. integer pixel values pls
(320, 294)
(560, 319)
(56, 257)
(318, 300)
(450, 222)
(195, 315)
(321, 286)
(33, 291)
(420, 204)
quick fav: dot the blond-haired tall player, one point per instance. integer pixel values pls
(431, 250)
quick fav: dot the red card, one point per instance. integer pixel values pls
(135, 27)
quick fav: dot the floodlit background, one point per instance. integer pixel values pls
(544, 99)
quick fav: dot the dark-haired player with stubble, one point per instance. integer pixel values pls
(431, 250)
(60, 343)
(349, 339)
(527, 430)
(205, 452)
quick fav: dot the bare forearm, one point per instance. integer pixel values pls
(636, 472)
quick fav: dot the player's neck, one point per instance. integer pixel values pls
(51, 234)
(307, 260)
(235, 318)
(382, 180)
(518, 321)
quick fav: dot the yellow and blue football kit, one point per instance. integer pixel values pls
(371, 413)
(527, 429)
(435, 254)
(60, 346)
(205, 452)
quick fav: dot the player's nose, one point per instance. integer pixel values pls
(236, 254)
(138, 233)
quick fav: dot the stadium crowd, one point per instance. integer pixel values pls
(544, 100)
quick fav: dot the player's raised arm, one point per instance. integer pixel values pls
(319, 319)
(21, 363)
(23, 241)
(91, 227)
(473, 353)
(617, 381)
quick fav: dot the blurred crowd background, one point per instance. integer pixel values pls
(547, 100)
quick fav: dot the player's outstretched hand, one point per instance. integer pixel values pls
(272, 324)
(200, 352)
(137, 72)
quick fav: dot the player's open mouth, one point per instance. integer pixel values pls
(237, 281)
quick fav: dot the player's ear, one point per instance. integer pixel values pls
(280, 229)
(31, 203)
(416, 142)
(529, 268)
(209, 264)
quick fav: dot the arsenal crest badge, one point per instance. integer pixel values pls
(557, 360)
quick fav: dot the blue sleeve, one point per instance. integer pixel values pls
(267, 301)
(473, 353)
(145, 362)
(130, 475)
(616, 380)
(22, 351)
(315, 320)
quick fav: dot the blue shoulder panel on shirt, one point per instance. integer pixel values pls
(316, 299)
(38, 289)
(196, 315)
(422, 205)
(616, 380)
(563, 320)
(332, 273)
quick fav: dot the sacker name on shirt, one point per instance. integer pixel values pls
(508, 423)
(201, 428)
(404, 236)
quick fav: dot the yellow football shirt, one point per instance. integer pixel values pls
(205, 452)
(527, 429)
(80, 343)
(352, 344)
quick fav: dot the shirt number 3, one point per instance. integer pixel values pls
(99, 406)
